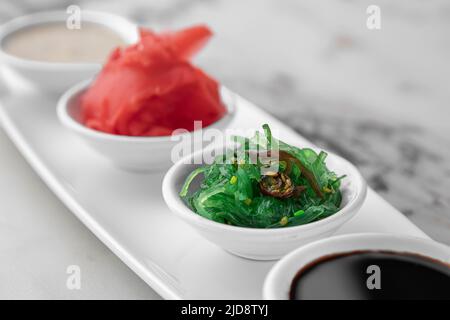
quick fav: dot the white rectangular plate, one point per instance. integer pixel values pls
(127, 212)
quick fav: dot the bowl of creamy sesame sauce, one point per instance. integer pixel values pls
(55, 42)
(44, 51)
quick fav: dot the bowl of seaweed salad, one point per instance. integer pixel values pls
(270, 196)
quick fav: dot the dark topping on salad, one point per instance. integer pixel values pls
(285, 156)
(288, 159)
(277, 184)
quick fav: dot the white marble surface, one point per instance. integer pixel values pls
(379, 98)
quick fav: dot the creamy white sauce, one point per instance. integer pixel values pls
(54, 42)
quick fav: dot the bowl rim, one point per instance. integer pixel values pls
(121, 26)
(280, 271)
(179, 207)
(67, 120)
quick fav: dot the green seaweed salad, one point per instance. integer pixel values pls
(265, 183)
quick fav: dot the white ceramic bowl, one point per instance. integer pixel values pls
(53, 76)
(127, 152)
(264, 244)
(279, 279)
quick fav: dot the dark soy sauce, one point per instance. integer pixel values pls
(346, 276)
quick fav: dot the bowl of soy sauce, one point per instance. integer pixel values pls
(362, 267)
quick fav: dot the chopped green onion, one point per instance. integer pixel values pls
(299, 213)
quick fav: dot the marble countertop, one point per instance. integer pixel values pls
(377, 97)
